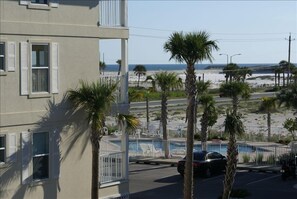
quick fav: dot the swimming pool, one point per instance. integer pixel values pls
(179, 146)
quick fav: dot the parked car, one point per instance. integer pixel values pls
(204, 163)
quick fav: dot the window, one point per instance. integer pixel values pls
(40, 68)
(2, 56)
(39, 63)
(39, 1)
(2, 149)
(40, 155)
(40, 4)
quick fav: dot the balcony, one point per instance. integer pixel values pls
(111, 167)
(121, 104)
(112, 13)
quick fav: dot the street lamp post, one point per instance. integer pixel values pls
(226, 56)
(233, 56)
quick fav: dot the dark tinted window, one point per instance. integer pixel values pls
(214, 155)
(199, 156)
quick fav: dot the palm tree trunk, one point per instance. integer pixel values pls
(204, 132)
(164, 124)
(284, 79)
(235, 101)
(138, 80)
(191, 92)
(95, 169)
(230, 167)
(275, 79)
(188, 182)
(269, 125)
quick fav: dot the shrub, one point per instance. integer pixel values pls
(287, 157)
(258, 158)
(271, 159)
(246, 158)
(197, 136)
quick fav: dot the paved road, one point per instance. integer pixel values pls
(163, 182)
(182, 103)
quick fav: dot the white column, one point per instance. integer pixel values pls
(124, 71)
(125, 151)
(124, 87)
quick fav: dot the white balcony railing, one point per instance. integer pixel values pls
(113, 79)
(111, 167)
(111, 13)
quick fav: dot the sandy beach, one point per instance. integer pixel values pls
(255, 123)
(216, 77)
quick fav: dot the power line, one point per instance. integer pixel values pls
(169, 30)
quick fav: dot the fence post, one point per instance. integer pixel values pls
(256, 155)
(153, 152)
(274, 155)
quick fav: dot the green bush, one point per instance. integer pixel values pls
(197, 136)
(246, 158)
(287, 157)
(258, 158)
(271, 159)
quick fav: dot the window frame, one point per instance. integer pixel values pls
(40, 6)
(41, 155)
(48, 68)
(3, 56)
(38, 3)
(3, 148)
(53, 83)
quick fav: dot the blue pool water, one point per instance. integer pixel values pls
(134, 146)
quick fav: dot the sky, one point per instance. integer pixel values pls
(258, 30)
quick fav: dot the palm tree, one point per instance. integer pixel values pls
(244, 72)
(234, 90)
(283, 65)
(230, 71)
(139, 70)
(95, 99)
(128, 122)
(153, 81)
(119, 62)
(291, 125)
(201, 89)
(288, 97)
(102, 66)
(268, 104)
(190, 48)
(166, 81)
(233, 126)
(277, 72)
(209, 117)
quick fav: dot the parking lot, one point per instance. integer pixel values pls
(162, 181)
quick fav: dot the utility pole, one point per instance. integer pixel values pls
(289, 59)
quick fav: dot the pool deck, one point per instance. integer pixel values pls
(173, 162)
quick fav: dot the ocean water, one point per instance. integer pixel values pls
(175, 67)
(215, 76)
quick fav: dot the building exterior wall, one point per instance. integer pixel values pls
(73, 26)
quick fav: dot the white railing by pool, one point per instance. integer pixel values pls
(252, 153)
(111, 167)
